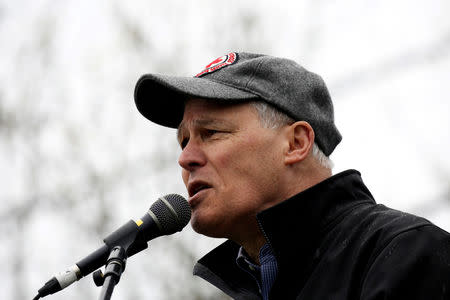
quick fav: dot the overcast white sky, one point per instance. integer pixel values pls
(77, 159)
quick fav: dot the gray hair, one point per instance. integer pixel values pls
(271, 117)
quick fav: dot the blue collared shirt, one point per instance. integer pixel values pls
(265, 274)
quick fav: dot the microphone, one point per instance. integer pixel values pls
(166, 216)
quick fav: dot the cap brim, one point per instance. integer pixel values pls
(161, 98)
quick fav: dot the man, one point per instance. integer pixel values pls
(256, 132)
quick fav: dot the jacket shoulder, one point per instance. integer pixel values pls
(414, 264)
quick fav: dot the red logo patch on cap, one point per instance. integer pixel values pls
(219, 63)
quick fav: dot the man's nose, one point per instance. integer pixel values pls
(192, 157)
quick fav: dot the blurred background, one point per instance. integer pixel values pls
(77, 159)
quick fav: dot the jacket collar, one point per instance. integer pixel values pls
(294, 229)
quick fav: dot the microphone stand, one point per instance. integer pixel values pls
(115, 266)
(123, 242)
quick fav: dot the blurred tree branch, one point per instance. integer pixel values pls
(389, 67)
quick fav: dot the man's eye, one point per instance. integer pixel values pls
(210, 132)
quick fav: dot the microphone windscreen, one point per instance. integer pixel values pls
(173, 213)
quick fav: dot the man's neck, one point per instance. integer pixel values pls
(253, 248)
(254, 239)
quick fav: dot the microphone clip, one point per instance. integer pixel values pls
(115, 266)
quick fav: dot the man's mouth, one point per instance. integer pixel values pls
(197, 186)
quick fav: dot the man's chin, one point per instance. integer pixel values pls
(210, 229)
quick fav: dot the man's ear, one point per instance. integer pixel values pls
(301, 140)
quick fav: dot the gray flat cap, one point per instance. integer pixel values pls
(238, 77)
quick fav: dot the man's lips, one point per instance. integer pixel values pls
(196, 186)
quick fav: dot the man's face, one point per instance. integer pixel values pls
(230, 165)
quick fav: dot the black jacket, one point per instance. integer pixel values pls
(332, 241)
